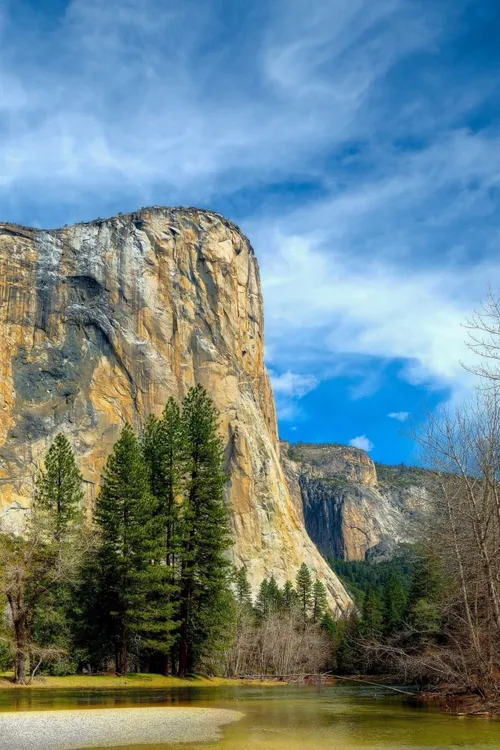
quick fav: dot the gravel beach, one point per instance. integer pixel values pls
(111, 727)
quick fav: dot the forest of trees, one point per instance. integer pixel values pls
(398, 601)
(285, 632)
(443, 629)
(145, 584)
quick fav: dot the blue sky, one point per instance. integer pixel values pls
(357, 143)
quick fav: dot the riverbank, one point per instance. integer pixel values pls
(141, 680)
(461, 704)
(68, 730)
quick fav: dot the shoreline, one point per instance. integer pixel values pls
(139, 680)
(109, 727)
(449, 703)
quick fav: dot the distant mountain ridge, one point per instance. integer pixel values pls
(353, 508)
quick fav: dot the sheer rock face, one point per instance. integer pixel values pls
(102, 322)
(350, 510)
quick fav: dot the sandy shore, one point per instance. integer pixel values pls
(110, 727)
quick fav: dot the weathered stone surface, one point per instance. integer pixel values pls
(102, 322)
(351, 510)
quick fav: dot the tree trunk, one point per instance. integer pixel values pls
(19, 613)
(183, 650)
(173, 659)
(183, 643)
(124, 651)
(165, 664)
(21, 658)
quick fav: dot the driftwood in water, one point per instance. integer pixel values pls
(319, 678)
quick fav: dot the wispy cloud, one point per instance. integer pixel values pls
(357, 151)
(362, 442)
(114, 96)
(400, 416)
(289, 387)
(293, 384)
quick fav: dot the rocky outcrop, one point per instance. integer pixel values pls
(352, 508)
(101, 322)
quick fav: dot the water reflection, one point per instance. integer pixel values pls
(288, 718)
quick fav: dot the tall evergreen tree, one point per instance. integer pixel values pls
(129, 588)
(164, 449)
(275, 595)
(205, 534)
(426, 591)
(59, 486)
(58, 500)
(320, 604)
(426, 580)
(372, 620)
(263, 606)
(39, 569)
(289, 597)
(304, 591)
(394, 603)
(242, 590)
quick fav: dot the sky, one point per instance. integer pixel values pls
(356, 143)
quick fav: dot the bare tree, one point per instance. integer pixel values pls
(461, 449)
(281, 645)
(483, 338)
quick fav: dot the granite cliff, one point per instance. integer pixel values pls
(352, 508)
(101, 322)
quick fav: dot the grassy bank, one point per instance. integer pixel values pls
(96, 682)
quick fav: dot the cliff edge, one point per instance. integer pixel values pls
(354, 509)
(101, 322)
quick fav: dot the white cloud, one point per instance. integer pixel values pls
(355, 273)
(293, 384)
(361, 442)
(401, 416)
(101, 99)
(401, 244)
(289, 387)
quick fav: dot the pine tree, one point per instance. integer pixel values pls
(426, 580)
(274, 594)
(289, 597)
(58, 505)
(129, 590)
(347, 632)
(372, 621)
(394, 604)
(304, 591)
(320, 604)
(263, 603)
(164, 449)
(205, 534)
(426, 589)
(59, 486)
(243, 592)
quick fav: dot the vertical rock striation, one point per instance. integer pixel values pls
(352, 508)
(102, 322)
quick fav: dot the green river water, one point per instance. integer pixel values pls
(288, 718)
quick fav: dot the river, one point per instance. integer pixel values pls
(288, 718)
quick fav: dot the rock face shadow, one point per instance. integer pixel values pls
(101, 322)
